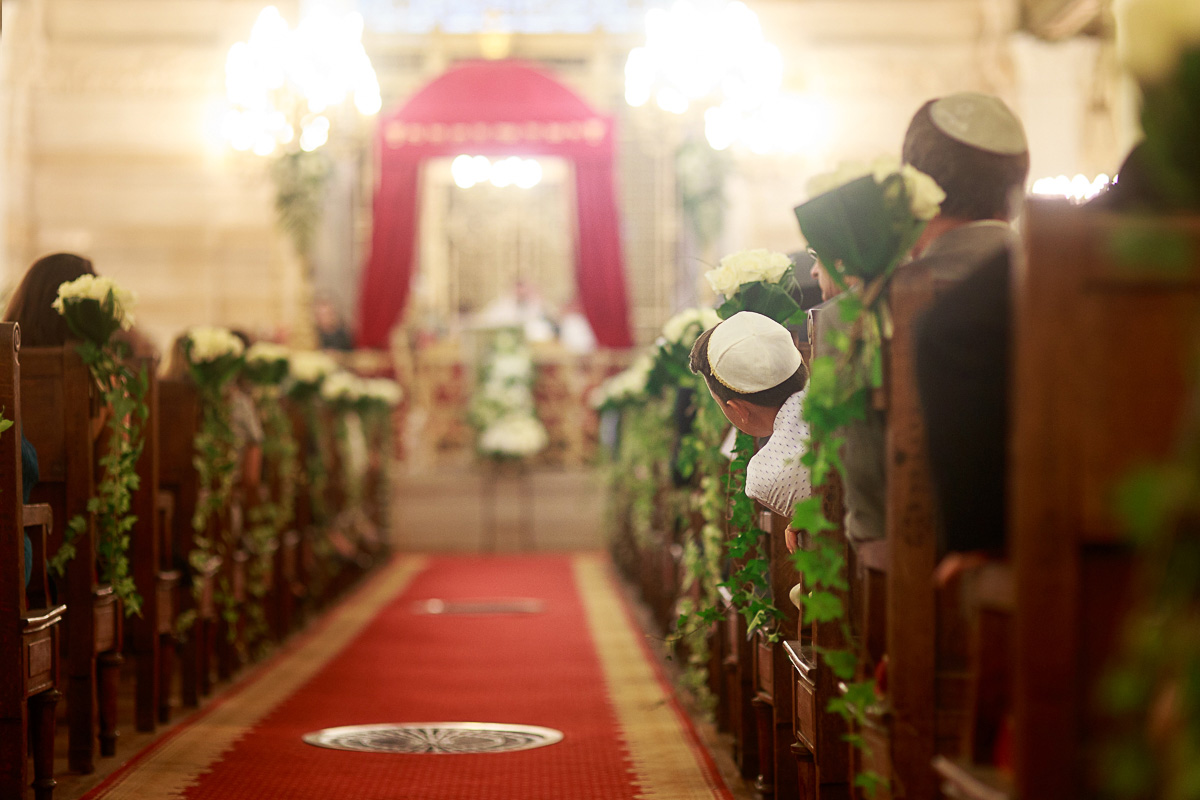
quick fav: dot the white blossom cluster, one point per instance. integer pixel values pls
(684, 327)
(626, 385)
(516, 435)
(310, 366)
(924, 195)
(97, 287)
(382, 390)
(1153, 34)
(745, 267)
(266, 353)
(210, 343)
(342, 385)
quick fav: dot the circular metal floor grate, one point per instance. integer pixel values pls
(435, 737)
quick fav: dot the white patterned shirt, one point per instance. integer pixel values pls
(775, 476)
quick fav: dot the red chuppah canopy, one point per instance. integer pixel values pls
(495, 108)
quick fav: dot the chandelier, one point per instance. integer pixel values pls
(712, 54)
(283, 83)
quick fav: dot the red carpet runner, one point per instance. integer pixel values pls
(579, 667)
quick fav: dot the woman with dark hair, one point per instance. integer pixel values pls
(41, 326)
(31, 303)
(755, 373)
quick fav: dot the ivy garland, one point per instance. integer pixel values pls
(123, 392)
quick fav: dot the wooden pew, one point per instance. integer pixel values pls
(739, 688)
(774, 684)
(1104, 361)
(179, 404)
(62, 418)
(29, 620)
(152, 634)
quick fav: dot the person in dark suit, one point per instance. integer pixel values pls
(974, 147)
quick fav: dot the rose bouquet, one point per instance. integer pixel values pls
(266, 363)
(513, 436)
(757, 280)
(382, 393)
(626, 387)
(862, 219)
(95, 308)
(343, 390)
(307, 369)
(674, 347)
(214, 354)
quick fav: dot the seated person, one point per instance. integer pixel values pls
(754, 372)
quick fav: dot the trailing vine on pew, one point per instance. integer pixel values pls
(861, 221)
(214, 356)
(266, 367)
(94, 309)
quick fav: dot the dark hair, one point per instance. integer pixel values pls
(978, 184)
(769, 398)
(31, 303)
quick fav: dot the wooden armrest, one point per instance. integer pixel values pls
(37, 514)
(973, 782)
(874, 555)
(803, 659)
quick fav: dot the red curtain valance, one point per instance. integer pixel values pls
(495, 108)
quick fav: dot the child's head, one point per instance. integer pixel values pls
(751, 366)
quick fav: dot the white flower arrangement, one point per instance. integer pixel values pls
(266, 353)
(210, 344)
(626, 385)
(384, 391)
(98, 288)
(514, 436)
(924, 195)
(684, 327)
(513, 366)
(748, 266)
(310, 366)
(342, 386)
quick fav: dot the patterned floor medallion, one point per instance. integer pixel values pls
(435, 737)
(480, 605)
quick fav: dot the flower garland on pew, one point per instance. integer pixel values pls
(95, 308)
(382, 397)
(214, 356)
(861, 222)
(266, 368)
(307, 371)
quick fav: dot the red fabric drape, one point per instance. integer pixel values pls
(495, 108)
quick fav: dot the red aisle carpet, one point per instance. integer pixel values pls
(579, 666)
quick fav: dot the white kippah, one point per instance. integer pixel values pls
(980, 120)
(750, 352)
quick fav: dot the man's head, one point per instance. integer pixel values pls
(751, 367)
(829, 289)
(975, 148)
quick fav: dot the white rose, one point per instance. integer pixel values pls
(924, 195)
(883, 167)
(96, 287)
(341, 385)
(310, 366)
(211, 343)
(266, 353)
(1151, 35)
(514, 435)
(747, 266)
(384, 390)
